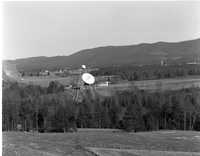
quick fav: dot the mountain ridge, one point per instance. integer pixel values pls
(138, 54)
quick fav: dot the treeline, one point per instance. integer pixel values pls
(52, 109)
(149, 71)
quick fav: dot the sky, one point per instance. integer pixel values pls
(33, 29)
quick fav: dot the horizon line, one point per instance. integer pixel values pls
(101, 47)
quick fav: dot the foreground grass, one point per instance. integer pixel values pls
(133, 152)
(49, 144)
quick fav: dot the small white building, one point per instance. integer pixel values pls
(103, 84)
(163, 63)
(45, 73)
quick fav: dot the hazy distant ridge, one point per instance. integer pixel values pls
(117, 55)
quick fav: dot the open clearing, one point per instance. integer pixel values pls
(161, 84)
(103, 142)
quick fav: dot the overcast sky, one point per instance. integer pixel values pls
(62, 28)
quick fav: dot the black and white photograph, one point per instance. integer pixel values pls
(100, 78)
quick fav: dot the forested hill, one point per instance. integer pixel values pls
(178, 52)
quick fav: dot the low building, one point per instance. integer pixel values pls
(44, 73)
(103, 84)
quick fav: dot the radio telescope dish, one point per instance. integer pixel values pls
(88, 78)
(83, 66)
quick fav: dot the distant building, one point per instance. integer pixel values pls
(109, 78)
(59, 72)
(44, 73)
(106, 80)
(103, 84)
(163, 63)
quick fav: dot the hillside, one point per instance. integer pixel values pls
(178, 52)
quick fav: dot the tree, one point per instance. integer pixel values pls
(55, 87)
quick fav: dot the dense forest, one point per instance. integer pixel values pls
(52, 109)
(149, 72)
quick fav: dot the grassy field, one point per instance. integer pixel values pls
(161, 84)
(44, 81)
(102, 142)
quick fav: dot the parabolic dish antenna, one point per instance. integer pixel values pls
(88, 78)
(83, 66)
